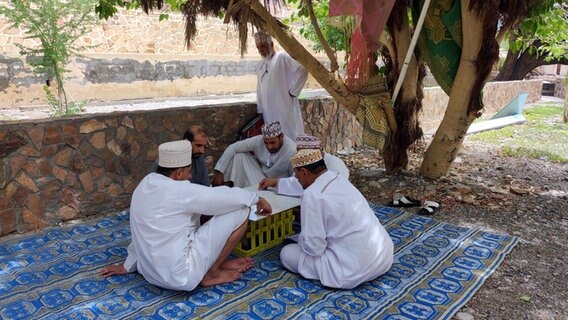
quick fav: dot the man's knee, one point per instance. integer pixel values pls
(240, 218)
(290, 257)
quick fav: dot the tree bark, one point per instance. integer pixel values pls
(328, 51)
(565, 92)
(565, 117)
(518, 65)
(408, 104)
(509, 64)
(328, 80)
(451, 132)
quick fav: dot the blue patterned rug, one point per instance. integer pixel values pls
(54, 274)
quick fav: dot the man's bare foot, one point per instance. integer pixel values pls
(219, 277)
(240, 264)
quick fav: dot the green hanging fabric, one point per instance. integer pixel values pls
(440, 40)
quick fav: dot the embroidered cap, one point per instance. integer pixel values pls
(174, 154)
(271, 129)
(304, 141)
(306, 156)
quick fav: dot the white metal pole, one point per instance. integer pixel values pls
(410, 50)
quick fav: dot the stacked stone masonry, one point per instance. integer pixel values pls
(56, 170)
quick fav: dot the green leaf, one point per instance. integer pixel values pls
(525, 298)
(55, 26)
(164, 16)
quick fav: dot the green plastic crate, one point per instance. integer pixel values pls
(266, 233)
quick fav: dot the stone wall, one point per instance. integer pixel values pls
(495, 96)
(106, 78)
(103, 79)
(67, 168)
(135, 56)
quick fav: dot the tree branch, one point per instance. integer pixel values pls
(337, 89)
(314, 20)
(501, 34)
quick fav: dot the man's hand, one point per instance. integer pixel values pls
(112, 270)
(267, 183)
(218, 179)
(263, 208)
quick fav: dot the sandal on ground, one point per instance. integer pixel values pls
(404, 201)
(429, 208)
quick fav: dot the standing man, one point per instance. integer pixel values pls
(342, 243)
(169, 248)
(280, 80)
(271, 158)
(199, 140)
(290, 186)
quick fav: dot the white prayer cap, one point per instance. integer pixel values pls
(271, 129)
(304, 141)
(174, 154)
(306, 156)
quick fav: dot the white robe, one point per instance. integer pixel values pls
(280, 80)
(244, 169)
(342, 243)
(291, 186)
(169, 247)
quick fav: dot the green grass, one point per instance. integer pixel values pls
(543, 135)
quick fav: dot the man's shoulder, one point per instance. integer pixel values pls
(329, 156)
(281, 56)
(332, 159)
(312, 193)
(254, 139)
(289, 143)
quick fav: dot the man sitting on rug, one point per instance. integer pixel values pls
(342, 243)
(169, 247)
(271, 158)
(199, 171)
(290, 186)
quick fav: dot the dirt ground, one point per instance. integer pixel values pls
(522, 197)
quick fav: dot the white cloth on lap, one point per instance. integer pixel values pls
(207, 242)
(273, 165)
(244, 170)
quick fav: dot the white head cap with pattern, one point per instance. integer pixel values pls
(174, 154)
(304, 141)
(305, 157)
(271, 129)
